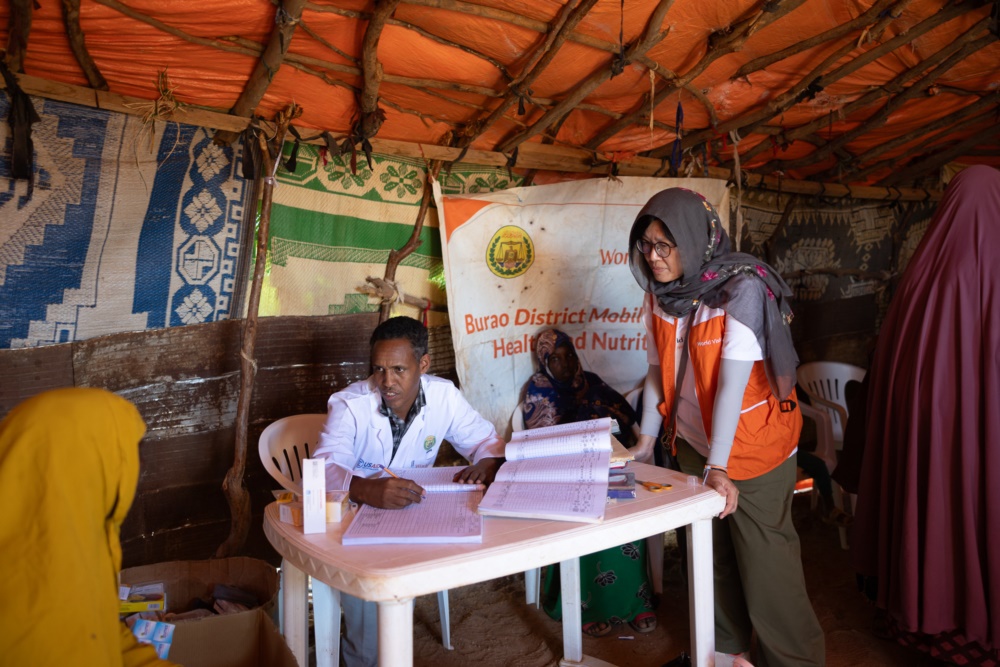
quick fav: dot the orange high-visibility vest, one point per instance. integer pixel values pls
(765, 436)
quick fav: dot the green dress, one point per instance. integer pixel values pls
(614, 585)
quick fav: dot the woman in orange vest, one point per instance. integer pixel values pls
(722, 373)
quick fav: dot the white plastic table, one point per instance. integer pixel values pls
(392, 574)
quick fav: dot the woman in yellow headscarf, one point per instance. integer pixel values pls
(69, 463)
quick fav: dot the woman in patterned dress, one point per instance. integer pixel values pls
(614, 584)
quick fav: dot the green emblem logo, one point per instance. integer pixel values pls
(429, 443)
(510, 252)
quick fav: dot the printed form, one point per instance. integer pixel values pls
(446, 514)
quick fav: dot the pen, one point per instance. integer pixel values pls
(398, 477)
(389, 471)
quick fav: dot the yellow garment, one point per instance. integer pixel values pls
(69, 464)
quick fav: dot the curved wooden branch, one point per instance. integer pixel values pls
(719, 44)
(957, 54)
(876, 32)
(938, 159)
(71, 17)
(951, 123)
(752, 121)
(870, 17)
(233, 485)
(871, 97)
(371, 69)
(652, 36)
(286, 18)
(397, 256)
(319, 38)
(455, 45)
(567, 20)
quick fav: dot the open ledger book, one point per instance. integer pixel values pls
(446, 514)
(557, 472)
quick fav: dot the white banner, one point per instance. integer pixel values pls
(524, 260)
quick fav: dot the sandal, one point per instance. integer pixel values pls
(598, 629)
(643, 623)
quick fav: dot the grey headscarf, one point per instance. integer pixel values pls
(742, 285)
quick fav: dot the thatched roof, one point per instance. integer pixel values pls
(881, 92)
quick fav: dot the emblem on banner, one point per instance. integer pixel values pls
(510, 252)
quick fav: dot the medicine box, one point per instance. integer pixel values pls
(146, 597)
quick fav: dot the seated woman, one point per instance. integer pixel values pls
(614, 585)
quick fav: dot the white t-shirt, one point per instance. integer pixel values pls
(739, 343)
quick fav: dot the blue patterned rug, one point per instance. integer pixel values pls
(124, 231)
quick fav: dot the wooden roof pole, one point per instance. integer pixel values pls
(565, 22)
(652, 36)
(868, 18)
(371, 70)
(397, 256)
(752, 121)
(18, 29)
(286, 18)
(938, 159)
(719, 44)
(71, 17)
(957, 53)
(943, 16)
(530, 155)
(232, 485)
(959, 120)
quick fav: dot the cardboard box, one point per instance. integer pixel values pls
(245, 639)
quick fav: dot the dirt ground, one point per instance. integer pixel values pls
(491, 625)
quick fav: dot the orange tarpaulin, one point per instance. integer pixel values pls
(446, 65)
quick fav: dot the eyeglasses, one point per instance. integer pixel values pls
(661, 249)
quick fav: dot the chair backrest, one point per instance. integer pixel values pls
(826, 447)
(283, 445)
(824, 381)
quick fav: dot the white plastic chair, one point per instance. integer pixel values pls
(282, 446)
(824, 383)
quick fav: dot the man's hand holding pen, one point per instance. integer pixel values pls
(390, 493)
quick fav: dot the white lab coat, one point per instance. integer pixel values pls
(357, 438)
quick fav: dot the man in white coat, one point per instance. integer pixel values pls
(397, 419)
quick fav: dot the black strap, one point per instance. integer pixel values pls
(670, 431)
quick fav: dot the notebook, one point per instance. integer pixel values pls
(446, 514)
(557, 472)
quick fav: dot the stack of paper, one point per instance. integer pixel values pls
(557, 472)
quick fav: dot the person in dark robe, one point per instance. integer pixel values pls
(927, 526)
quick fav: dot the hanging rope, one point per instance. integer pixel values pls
(652, 104)
(676, 152)
(738, 176)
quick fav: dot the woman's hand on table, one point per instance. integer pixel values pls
(720, 482)
(643, 449)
